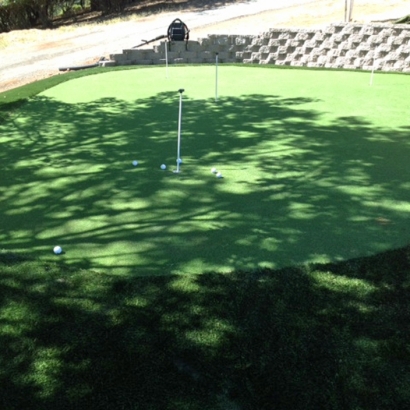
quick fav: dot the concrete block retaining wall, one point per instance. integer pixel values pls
(351, 46)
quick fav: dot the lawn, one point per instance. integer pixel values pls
(287, 312)
(314, 164)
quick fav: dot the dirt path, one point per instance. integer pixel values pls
(29, 55)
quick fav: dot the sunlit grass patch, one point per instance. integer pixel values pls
(343, 284)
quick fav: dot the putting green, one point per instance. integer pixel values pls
(315, 167)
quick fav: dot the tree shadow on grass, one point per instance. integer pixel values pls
(323, 337)
(294, 190)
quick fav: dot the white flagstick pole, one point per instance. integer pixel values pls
(166, 58)
(216, 77)
(179, 130)
(372, 74)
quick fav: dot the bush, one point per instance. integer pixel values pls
(18, 16)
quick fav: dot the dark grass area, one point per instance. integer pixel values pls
(319, 337)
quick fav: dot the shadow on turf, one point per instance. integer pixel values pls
(323, 337)
(305, 191)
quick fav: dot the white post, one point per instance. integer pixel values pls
(166, 58)
(346, 11)
(372, 74)
(179, 131)
(216, 77)
(350, 11)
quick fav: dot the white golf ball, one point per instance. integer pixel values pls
(163, 166)
(135, 163)
(179, 161)
(214, 171)
(57, 250)
(219, 175)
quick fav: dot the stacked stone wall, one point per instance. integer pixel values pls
(349, 46)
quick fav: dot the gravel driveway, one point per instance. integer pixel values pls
(29, 55)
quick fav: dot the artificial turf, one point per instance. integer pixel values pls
(314, 165)
(332, 336)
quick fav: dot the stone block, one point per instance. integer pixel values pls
(172, 55)
(119, 58)
(250, 61)
(352, 54)
(282, 50)
(287, 35)
(404, 55)
(337, 38)
(319, 36)
(338, 27)
(264, 49)
(302, 36)
(399, 41)
(258, 41)
(189, 55)
(311, 43)
(156, 58)
(363, 47)
(219, 39)
(297, 63)
(399, 65)
(204, 42)
(216, 48)
(358, 62)
(313, 64)
(274, 42)
(256, 56)
(178, 46)
(142, 62)
(296, 43)
(134, 54)
(326, 45)
(383, 47)
(275, 33)
(107, 63)
(367, 30)
(206, 56)
(223, 56)
(272, 56)
(349, 67)
(194, 46)
(375, 39)
(304, 58)
(356, 39)
(393, 56)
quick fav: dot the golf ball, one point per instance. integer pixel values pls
(214, 171)
(179, 161)
(57, 250)
(163, 166)
(135, 163)
(219, 175)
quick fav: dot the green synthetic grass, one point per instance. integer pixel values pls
(330, 336)
(315, 167)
